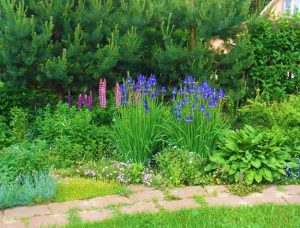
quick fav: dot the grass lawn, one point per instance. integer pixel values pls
(79, 188)
(256, 216)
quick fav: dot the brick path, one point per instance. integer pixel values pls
(143, 199)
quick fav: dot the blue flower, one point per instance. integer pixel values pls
(142, 80)
(174, 93)
(202, 108)
(189, 118)
(123, 94)
(146, 106)
(152, 81)
(163, 89)
(212, 103)
(207, 115)
(189, 80)
(221, 94)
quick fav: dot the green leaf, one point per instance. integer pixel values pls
(267, 174)
(250, 177)
(248, 156)
(256, 163)
(233, 157)
(237, 176)
(258, 177)
(217, 159)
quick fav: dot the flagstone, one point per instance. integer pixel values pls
(187, 192)
(216, 190)
(250, 200)
(178, 204)
(225, 200)
(95, 215)
(20, 212)
(292, 199)
(292, 189)
(102, 202)
(139, 188)
(139, 207)
(147, 196)
(12, 224)
(47, 220)
(64, 207)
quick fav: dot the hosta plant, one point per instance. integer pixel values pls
(251, 155)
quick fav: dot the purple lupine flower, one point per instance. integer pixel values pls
(221, 94)
(189, 80)
(142, 80)
(202, 108)
(155, 94)
(123, 93)
(152, 81)
(69, 99)
(146, 106)
(90, 101)
(80, 101)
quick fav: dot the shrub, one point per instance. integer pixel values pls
(19, 124)
(23, 159)
(27, 190)
(197, 120)
(72, 134)
(3, 133)
(136, 128)
(252, 155)
(178, 166)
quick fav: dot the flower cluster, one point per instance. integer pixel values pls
(293, 173)
(192, 97)
(84, 99)
(102, 93)
(132, 92)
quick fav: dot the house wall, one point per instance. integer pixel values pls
(278, 7)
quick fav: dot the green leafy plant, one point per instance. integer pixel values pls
(251, 155)
(244, 190)
(178, 166)
(19, 124)
(25, 158)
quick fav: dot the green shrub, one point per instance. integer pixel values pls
(23, 159)
(179, 166)
(72, 134)
(3, 133)
(19, 124)
(252, 155)
(27, 190)
(276, 50)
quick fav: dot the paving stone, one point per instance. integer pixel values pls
(1, 214)
(95, 215)
(20, 212)
(270, 190)
(61, 208)
(292, 189)
(250, 200)
(292, 199)
(216, 190)
(139, 208)
(178, 204)
(147, 196)
(139, 188)
(229, 200)
(102, 202)
(187, 192)
(12, 224)
(47, 220)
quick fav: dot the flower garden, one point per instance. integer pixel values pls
(187, 125)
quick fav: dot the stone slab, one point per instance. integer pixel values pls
(102, 202)
(178, 204)
(47, 220)
(139, 208)
(60, 208)
(20, 212)
(13, 224)
(139, 188)
(250, 200)
(147, 196)
(224, 201)
(187, 192)
(292, 189)
(216, 190)
(292, 199)
(90, 216)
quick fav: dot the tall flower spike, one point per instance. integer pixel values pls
(137, 97)
(102, 93)
(69, 99)
(90, 101)
(79, 101)
(117, 95)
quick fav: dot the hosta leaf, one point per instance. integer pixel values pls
(237, 176)
(267, 174)
(217, 159)
(248, 156)
(233, 157)
(256, 163)
(258, 177)
(250, 177)
(209, 167)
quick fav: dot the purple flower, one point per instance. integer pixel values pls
(189, 80)
(163, 89)
(80, 101)
(123, 94)
(142, 80)
(90, 101)
(202, 108)
(69, 99)
(174, 93)
(221, 94)
(152, 81)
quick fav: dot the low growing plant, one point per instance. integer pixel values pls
(251, 155)
(27, 190)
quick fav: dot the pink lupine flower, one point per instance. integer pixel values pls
(137, 97)
(80, 101)
(102, 93)
(117, 95)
